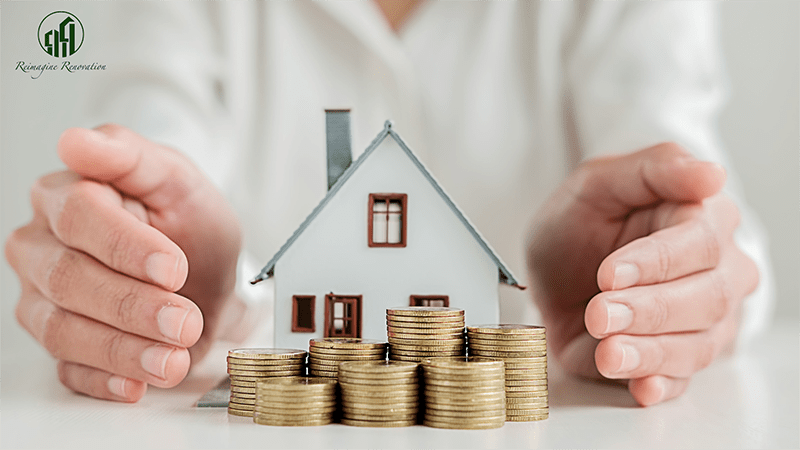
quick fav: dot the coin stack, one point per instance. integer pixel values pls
(379, 393)
(420, 332)
(247, 366)
(295, 401)
(523, 349)
(325, 354)
(464, 395)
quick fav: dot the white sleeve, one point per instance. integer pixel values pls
(647, 72)
(176, 78)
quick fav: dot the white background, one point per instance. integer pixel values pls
(759, 127)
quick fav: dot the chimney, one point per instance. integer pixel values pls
(337, 130)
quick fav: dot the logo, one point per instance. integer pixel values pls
(60, 34)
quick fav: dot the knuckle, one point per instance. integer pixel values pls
(721, 298)
(123, 311)
(670, 149)
(713, 248)
(663, 257)
(111, 347)
(706, 352)
(115, 243)
(659, 313)
(52, 334)
(60, 274)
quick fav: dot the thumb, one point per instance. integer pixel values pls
(665, 172)
(156, 175)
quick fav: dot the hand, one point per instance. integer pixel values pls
(123, 253)
(637, 252)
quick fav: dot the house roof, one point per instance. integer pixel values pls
(505, 275)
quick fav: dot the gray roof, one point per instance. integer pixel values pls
(505, 274)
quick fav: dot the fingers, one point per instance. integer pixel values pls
(100, 384)
(617, 185)
(159, 176)
(92, 217)
(694, 302)
(74, 338)
(690, 241)
(78, 283)
(656, 389)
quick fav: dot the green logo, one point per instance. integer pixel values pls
(60, 34)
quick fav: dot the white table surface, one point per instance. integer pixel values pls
(747, 401)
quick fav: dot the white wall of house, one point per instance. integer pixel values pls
(332, 254)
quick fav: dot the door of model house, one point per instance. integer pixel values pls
(429, 300)
(343, 316)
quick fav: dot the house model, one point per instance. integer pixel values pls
(385, 235)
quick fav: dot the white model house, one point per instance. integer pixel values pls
(385, 235)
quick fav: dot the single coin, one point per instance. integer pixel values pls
(298, 410)
(330, 358)
(382, 406)
(267, 353)
(400, 399)
(265, 362)
(239, 412)
(384, 410)
(241, 406)
(462, 424)
(395, 334)
(460, 351)
(296, 400)
(523, 400)
(526, 407)
(525, 376)
(424, 311)
(379, 367)
(495, 405)
(292, 423)
(532, 354)
(344, 378)
(476, 373)
(242, 396)
(528, 418)
(463, 382)
(347, 351)
(525, 391)
(366, 414)
(504, 340)
(378, 423)
(439, 348)
(507, 328)
(507, 348)
(470, 413)
(440, 365)
(275, 373)
(266, 369)
(459, 391)
(353, 387)
(445, 320)
(235, 382)
(347, 343)
(456, 402)
(297, 383)
(425, 328)
(243, 389)
(378, 375)
(427, 341)
(539, 382)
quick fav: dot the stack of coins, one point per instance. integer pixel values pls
(379, 393)
(247, 366)
(464, 395)
(523, 349)
(420, 332)
(325, 354)
(295, 401)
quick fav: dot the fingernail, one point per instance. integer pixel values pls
(625, 275)
(116, 385)
(154, 360)
(170, 321)
(619, 316)
(630, 358)
(162, 269)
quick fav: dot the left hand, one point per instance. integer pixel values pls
(634, 267)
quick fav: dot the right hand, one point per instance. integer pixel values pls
(104, 265)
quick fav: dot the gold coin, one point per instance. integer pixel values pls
(540, 371)
(517, 383)
(466, 413)
(334, 351)
(454, 366)
(288, 401)
(243, 390)
(336, 359)
(428, 341)
(521, 363)
(463, 424)
(532, 354)
(244, 398)
(251, 373)
(380, 367)
(498, 340)
(518, 377)
(399, 399)
(523, 400)
(378, 423)
(292, 423)
(367, 417)
(297, 411)
(398, 383)
(411, 402)
(267, 353)
(529, 418)
(490, 399)
(485, 382)
(398, 334)
(308, 384)
(241, 406)
(323, 374)
(377, 375)
(347, 343)
(448, 409)
(526, 407)
(430, 348)
(266, 369)
(425, 327)
(506, 328)
(428, 354)
(477, 373)
(424, 311)
(350, 387)
(525, 391)
(266, 364)
(474, 346)
(382, 410)
(444, 320)
(239, 412)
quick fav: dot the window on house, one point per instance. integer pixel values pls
(430, 300)
(387, 220)
(342, 316)
(303, 314)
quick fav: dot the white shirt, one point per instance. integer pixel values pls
(500, 100)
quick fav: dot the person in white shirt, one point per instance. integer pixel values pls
(578, 136)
